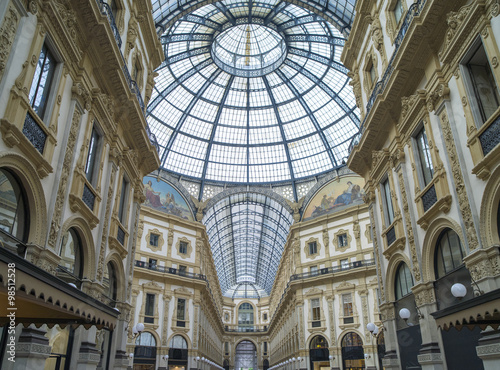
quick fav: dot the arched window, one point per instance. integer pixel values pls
(353, 356)
(146, 339)
(404, 281)
(245, 316)
(318, 342)
(14, 218)
(110, 283)
(449, 253)
(71, 266)
(178, 342)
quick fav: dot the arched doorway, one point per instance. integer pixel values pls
(265, 364)
(353, 356)
(318, 353)
(178, 353)
(246, 356)
(145, 352)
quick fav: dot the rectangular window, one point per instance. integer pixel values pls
(372, 72)
(182, 270)
(481, 85)
(387, 203)
(313, 248)
(183, 247)
(226, 347)
(153, 263)
(265, 317)
(42, 81)
(344, 264)
(313, 270)
(123, 201)
(316, 316)
(265, 347)
(424, 157)
(342, 239)
(181, 309)
(347, 304)
(91, 167)
(153, 239)
(398, 11)
(150, 305)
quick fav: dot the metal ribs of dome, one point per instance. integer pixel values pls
(290, 124)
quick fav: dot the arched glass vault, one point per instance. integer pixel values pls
(247, 233)
(251, 93)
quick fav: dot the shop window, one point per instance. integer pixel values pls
(71, 263)
(14, 219)
(449, 253)
(404, 281)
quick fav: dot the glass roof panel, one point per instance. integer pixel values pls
(247, 233)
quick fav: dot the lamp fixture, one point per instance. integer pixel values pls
(165, 358)
(458, 290)
(136, 330)
(367, 356)
(131, 355)
(372, 328)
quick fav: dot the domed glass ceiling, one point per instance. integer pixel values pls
(252, 92)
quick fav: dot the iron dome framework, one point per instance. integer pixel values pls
(251, 93)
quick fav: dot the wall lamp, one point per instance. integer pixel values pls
(372, 328)
(331, 357)
(459, 290)
(131, 355)
(367, 356)
(405, 314)
(136, 330)
(165, 358)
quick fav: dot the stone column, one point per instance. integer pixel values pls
(88, 354)
(32, 349)
(391, 359)
(488, 349)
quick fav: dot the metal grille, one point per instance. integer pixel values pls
(88, 197)
(490, 137)
(34, 133)
(429, 198)
(121, 235)
(391, 236)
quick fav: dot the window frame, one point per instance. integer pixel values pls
(315, 309)
(91, 168)
(347, 307)
(124, 200)
(342, 240)
(419, 152)
(455, 266)
(403, 271)
(385, 187)
(475, 104)
(181, 309)
(149, 305)
(53, 86)
(183, 246)
(313, 247)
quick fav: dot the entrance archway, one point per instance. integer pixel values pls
(353, 356)
(145, 352)
(318, 353)
(246, 356)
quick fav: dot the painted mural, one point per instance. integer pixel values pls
(335, 196)
(165, 198)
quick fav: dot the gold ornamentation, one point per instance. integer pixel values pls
(200, 206)
(296, 206)
(463, 199)
(494, 62)
(454, 21)
(409, 228)
(7, 35)
(63, 182)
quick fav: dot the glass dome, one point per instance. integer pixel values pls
(252, 94)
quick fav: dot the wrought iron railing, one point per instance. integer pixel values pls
(244, 330)
(414, 10)
(490, 137)
(391, 236)
(34, 133)
(120, 235)
(169, 270)
(429, 198)
(88, 197)
(333, 269)
(106, 10)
